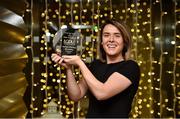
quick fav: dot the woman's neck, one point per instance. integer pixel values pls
(114, 59)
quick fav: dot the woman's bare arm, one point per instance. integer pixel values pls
(75, 90)
(115, 84)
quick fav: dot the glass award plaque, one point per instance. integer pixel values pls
(66, 40)
(69, 41)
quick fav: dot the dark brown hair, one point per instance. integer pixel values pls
(125, 35)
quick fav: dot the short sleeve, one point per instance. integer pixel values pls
(92, 65)
(131, 70)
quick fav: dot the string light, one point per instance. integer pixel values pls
(175, 63)
(32, 65)
(98, 25)
(46, 52)
(59, 69)
(111, 9)
(72, 17)
(93, 24)
(150, 56)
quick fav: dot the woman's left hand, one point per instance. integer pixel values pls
(72, 59)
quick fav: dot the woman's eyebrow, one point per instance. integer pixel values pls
(106, 33)
(117, 33)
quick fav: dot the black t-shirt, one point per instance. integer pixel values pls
(120, 104)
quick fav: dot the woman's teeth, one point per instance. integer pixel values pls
(111, 46)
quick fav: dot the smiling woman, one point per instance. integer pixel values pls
(112, 42)
(115, 32)
(111, 84)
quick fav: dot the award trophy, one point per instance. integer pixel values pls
(66, 41)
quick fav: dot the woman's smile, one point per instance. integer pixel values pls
(111, 45)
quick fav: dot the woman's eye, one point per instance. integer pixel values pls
(118, 35)
(105, 35)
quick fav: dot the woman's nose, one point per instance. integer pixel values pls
(111, 38)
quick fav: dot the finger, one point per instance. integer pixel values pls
(60, 61)
(53, 58)
(53, 55)
(66, 60)
(56, 58)
(67, 56)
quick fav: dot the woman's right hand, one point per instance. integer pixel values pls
(59, 60)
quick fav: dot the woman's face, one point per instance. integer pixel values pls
(112, 41)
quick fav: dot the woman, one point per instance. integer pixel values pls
(112, 81)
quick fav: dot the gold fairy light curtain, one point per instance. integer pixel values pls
(154, 25)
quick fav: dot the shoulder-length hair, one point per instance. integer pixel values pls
(125, 35)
